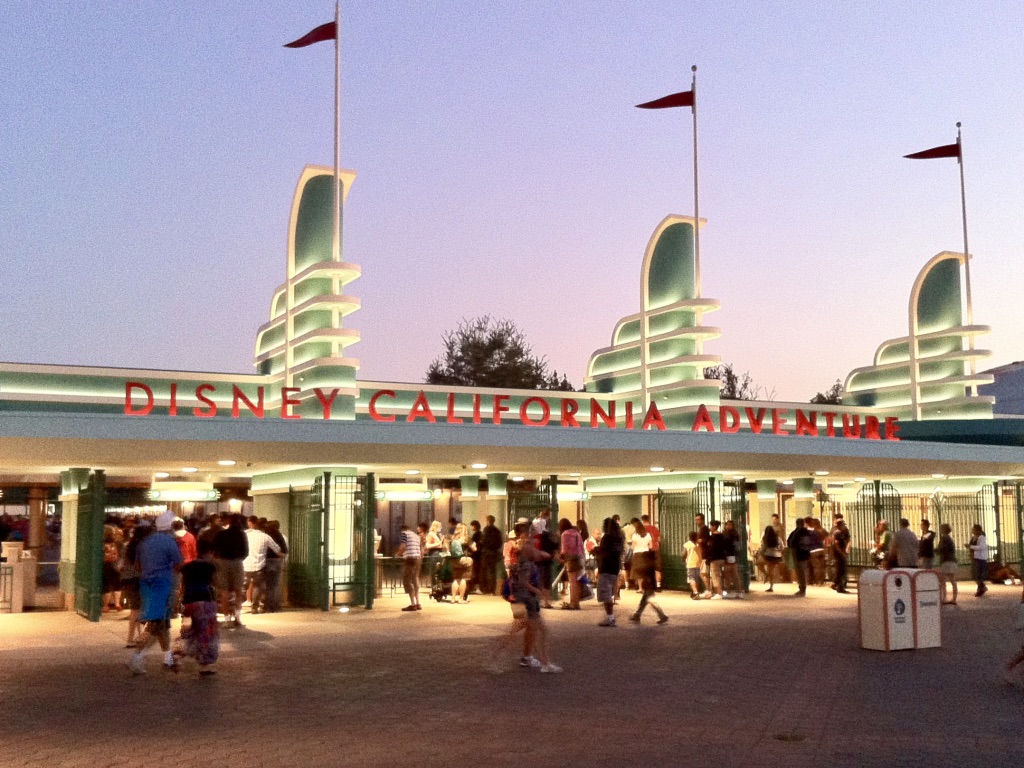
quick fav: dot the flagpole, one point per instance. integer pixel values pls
(336, 241)
(967, 261)
(696, 196)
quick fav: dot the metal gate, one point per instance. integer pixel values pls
(677, 513)
(307, 581)
(529, 503)
(89, 547)
(961, 511)
(351, 568)
(875, 501)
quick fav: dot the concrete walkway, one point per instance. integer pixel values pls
(771, 680)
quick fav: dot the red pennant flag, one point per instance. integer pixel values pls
(947, 150)
(681, 99)
(328, 31)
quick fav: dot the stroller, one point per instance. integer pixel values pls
(441, 581)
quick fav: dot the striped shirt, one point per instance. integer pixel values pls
(411, 540)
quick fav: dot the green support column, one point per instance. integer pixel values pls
(368, 555)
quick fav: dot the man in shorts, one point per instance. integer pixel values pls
(159, 558)
(528, 592)
(412, 558)
(608, 554)
(231, 548)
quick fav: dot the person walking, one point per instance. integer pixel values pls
(643, 571)
(130, 581)
(655, 547)
(800, 542)
(947, 563)
(231, 547)
(926, 546)
(608, 554)
(475, 538)
(201, 638)
(412, 558)
(158, 557)
(979, 558)
(490, 556)
(526, 589)
(691, 553)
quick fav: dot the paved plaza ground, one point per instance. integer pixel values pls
(771, 680)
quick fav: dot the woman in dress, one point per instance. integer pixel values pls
(461, 563)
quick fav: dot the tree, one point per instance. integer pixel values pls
(832, 396)
(492, 353)
(733, 386)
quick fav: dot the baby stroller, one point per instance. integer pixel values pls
(441, 582)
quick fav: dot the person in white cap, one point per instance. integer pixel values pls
(158, 558)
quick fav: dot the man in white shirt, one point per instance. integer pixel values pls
(255, 561)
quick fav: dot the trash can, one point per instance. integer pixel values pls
(926, 586)
(885, 610)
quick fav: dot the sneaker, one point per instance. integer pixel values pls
(770, 589)
(663, 619)
(609, 621)
(716, 597)
(419, 607)
(707, 595)
(137, 664)
(409, 608)
(725, 595)
(694, 596)
(530, 662)
(635, 618)
(548, 668)
(173, 666)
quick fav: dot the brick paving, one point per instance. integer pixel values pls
(771, 680)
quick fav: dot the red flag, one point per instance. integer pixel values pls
(681, 99)
(328, 31)
(947, 150)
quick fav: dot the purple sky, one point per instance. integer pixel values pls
(149, 155)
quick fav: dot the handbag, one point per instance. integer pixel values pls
(1018, 622)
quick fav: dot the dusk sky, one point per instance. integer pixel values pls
(149, 152)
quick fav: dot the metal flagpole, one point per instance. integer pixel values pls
(336, 242)
(967, 260)
(696, 197)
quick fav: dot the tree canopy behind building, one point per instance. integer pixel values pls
(492, 353)
(734, 386)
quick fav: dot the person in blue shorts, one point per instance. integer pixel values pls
(158, 558)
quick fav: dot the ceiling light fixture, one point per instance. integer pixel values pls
(657, 469)
(479, 465)
(227, 462)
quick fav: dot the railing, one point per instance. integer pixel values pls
(6, 588)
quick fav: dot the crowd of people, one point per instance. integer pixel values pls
(161, 569)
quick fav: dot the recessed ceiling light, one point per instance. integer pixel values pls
(821, 472)
(787, 482)
(860, 479)
(227, 462)
(518, 479)
(938, 476)
(737, 477)
(412, 471)
(575, 474)
(657, 469)
(479, 465)
(161, 475)
(189, 469)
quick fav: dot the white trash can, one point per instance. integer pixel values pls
(926, 585)
(885, 610)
